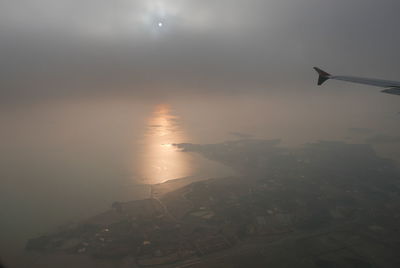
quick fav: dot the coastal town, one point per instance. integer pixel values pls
(308, 207)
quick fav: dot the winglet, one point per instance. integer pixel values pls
(323, 76)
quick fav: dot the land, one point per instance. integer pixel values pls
(326, 204)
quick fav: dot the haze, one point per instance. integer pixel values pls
(95, 93)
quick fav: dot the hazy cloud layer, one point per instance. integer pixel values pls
(360, 131)
(384, 139)
(74, 48)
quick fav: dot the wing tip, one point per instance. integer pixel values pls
(322, 75)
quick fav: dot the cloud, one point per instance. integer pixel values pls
(384, 139)
(360, 131)
(88, 48)
(241, 135)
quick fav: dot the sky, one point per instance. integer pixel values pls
(91, 48)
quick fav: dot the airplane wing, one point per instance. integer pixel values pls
(393, 91)
(391, 87)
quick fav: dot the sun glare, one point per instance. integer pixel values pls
(161, 161)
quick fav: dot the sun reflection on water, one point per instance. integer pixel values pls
(160, 159)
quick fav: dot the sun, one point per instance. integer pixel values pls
(160, 24)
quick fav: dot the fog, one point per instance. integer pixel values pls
(90, 90)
